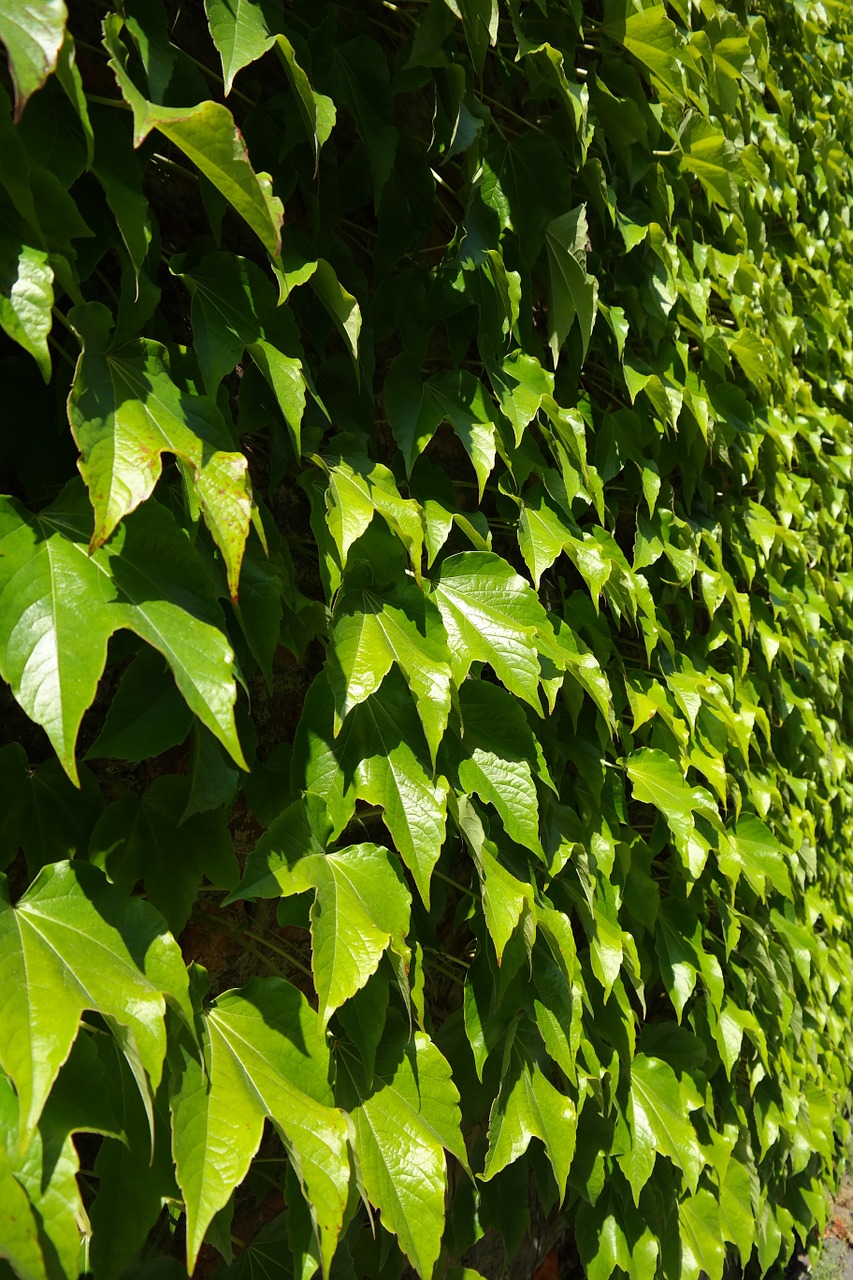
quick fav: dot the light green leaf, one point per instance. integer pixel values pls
(377, 757)
(528, 1106)
(361, 903)
(144, 578)
(358, 489)
(703, 1249)
(760, 854)
(374, 629)
(19, 1234)
(264, 1057)
(239, 30)
(405, 1118)
(574, 294)
(32, 31)
(26, 298)
(125, 412)
(658, 780)
(491, 615)
(657, 1113)
(75, 942)
(208, 136)
(521, 384)
(652, 38)
(714, 161)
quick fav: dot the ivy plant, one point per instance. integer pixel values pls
(425, 590)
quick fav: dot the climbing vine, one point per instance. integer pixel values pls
(425, 579)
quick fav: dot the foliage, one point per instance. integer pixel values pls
(444, 642)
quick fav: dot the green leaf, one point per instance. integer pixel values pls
(132, 1181)
(658, 1107)
(361, 903)
(359, 489)
(240, 33)
(45, 815)
(657, 780)
(496, 758)
(264, 1056)
(146, 578)
(528, 1106)
(316, 109)
(374, 629)
(26, 298)
(760, 855)
(703, 1249)
(208, 136)
(75, 942)
(462, 399)
(144, 838)
(361, 73)
(574, 294)
(413, 411)
(714, 161)
(405, 1119)
(125, 412)
(147, 716)
(340, 304)
(32, 31)
(378, 756)
(651, 37)
(491, 615)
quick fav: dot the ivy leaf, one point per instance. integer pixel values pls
(19, 1234)
(357, 490)
(528, 1106)
(371, 631)
(240, 34)
(264, 1056)
(377, 757)
(26, 298)
(405, 1118)
(413, 411)
(658, 1107)
(462, 399)
(760, 855)
(146, 578)
(132, 1181)
(491, 615)
(144, 838)
(658, 780)
(574, 294)
(361, 903)
(496, 758)
(651, 37)
(714, 161)
(316, 109)
(45, 815)
(32, 33)
(146, 717)
(75, 942)
(208, 136)
(125, 412)
(703, 1249)
(340, 304)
